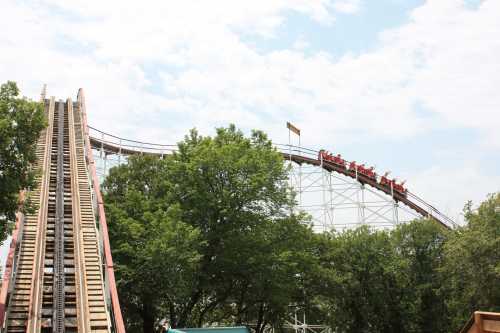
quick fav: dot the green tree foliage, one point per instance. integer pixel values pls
(206, 237)
(472, 263)
(419, 247)
(365, 279)
(155, 253)
(384, 281)
(419, 277)
(231, 251)
(21, 122)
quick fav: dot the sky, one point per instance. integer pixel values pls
(409, 86)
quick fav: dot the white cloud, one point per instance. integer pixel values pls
(455, 53)
(445, 59)
(452, 187)
(300, 44)
(347, 6)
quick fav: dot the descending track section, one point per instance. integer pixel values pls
(54, 281)
(106, 144)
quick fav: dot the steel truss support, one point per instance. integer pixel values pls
(338, 202)
(333, 201)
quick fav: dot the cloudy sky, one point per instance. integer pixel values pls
(409, 86)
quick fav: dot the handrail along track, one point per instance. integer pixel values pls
(112, 144)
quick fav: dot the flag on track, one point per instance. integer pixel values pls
(293, 128)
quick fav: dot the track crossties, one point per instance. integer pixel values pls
(113, 145)
(57, 283)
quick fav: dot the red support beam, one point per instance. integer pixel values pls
(7, 274)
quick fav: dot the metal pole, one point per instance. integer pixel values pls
(330, 189)
(362, 203)
(396, 215)
(43, 93)
(296, 320)
(290, 145)
(290, 164)
(102, 145)
(304, 322)
(120, 153)
(105, 164)
(300, 178)
(324, 205)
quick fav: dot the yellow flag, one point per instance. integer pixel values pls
(293, 128)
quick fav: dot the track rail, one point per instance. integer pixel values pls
(101, 216)
(54, 280)
(111, 144)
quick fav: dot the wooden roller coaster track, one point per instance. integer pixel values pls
(111, 144)
(54, 279)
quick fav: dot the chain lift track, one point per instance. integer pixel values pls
(59, 271)
(58, 259)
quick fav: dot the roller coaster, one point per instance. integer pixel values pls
(107, 145)
(59, 272)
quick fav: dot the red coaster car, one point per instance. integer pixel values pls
(391, 183)
(326, 156)
(361, 169)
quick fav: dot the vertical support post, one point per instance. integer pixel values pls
(324, 189)
(331, 206)
(296, 320)
(361, 203)
(290, 165)
(292, 128)
(300, 176)
(102, 146)
(105, 164)
(43, 94)
(396, 214)
(304, 325)
(120, 153)
(323, 195)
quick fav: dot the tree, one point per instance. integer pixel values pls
(155, 253)
(472, 263)
(362, 292)
(207, 236)
(419, 246)
(227, 198)
(226, 186)
(271, 264)
(382, 281)
(21, 122)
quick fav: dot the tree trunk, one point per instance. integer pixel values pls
(260, 318)
(195, 297)
(148, 320)
(173, 317)
(189, 307)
